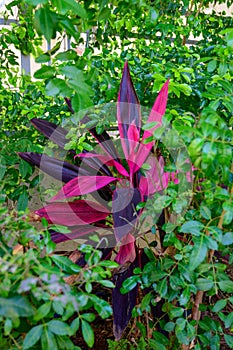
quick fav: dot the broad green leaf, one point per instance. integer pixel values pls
(88, 334)
(205, 212)
(109, 264)
(89, 317)
(43, 58)
(204, 284)
(194, 227)
(162, 288)
(22, 201)
(58, 327)
(129, 284)
(106, 283)
(48, 340)
(220, 304)
(42, 311)
(198, 254)
(65, 264)
(8, 325)
(101, 306)
(46, 22)
(44, 72)
(229, 338)
(228, 320)
(18, 305)
(63, 6)
(227, 238)
(226, 286)
(74, 325)
(32, 337)
(211, 66)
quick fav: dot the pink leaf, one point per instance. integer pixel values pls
(82, 185)
(79, 212)
(157, 113)
(127, 250)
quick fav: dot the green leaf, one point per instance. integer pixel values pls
(228, 320)
(129, 284)
(15, 306)
(204, 284)
(194, 227)
(109, 264)
(65, 264)
(43, 58)
(198, 254)
(88, 334)
(33, 336)
(58, 307)
(162, 288)
(219, 305)
(42, 311)
(8, 326)
(101, 306)
(46, 22)
(48, 340)
(229, 338)
(22, 201)
(226, 286)
(211, 66)
(227, 239)
(64, 6)
(74, 325)
(58, 327)
(205, 212)
(89, 317)
(2, 167)
(44, 72)
(108, 284)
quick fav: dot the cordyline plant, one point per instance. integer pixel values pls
(119, 187)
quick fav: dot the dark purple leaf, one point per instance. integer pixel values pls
(53, 132)
(56, 168)
(83, 185)
(128, 111)
(123, 304)
(124, 211)
(68, 102)
(80, 212)
(75, 233)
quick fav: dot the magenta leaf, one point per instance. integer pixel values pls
(82, 185)
(127, 251)
(128, 111)
(124, 211)
(123, 304)
(157, 113)
(56, 168)
(80, 212)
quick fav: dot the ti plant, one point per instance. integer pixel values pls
(118, 183)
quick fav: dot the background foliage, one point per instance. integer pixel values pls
(154, 37)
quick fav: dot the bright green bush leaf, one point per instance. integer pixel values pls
(32, 337)
(88, 334)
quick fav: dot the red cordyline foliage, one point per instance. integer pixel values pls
(117, 186)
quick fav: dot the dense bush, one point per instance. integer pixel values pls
(185, 276)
